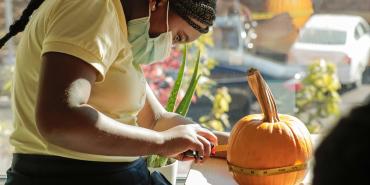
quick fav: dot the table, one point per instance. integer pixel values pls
(215, 172)
(2, 179)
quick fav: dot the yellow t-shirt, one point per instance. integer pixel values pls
(94, 31)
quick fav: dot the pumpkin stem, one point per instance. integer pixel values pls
(264, 96)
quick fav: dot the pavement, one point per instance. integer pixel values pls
(355, 97)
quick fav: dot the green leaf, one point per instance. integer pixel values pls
(172, 99)
(203, 119)
(182, 109)
(186, 101)
(184, 105)
(7, 86)
(156, 161)
(150, 160)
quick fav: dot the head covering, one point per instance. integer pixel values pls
(204, 11)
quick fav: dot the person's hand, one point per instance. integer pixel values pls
(182, 138)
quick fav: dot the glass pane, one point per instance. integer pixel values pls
(365, 27)
(248, 34)
(5, 131)
(322, 36)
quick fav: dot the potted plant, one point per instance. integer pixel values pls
(318, 99)
(168, 166)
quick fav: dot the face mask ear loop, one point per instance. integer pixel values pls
(150, 12)
(168, 10)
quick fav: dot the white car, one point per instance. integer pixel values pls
(341, 39)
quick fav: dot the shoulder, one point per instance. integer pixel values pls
(342, 157)
(351, 134)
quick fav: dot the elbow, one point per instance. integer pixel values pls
(46, 122)
(65, 125)
(55, 124)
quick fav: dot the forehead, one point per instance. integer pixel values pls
(181, 25)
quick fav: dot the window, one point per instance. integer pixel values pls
(365, 27)
(360, 31)
(323, 36)
(270, 35)
(227, 32)
(5, 130)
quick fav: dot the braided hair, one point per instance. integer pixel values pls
(20, 24)
(203, 11)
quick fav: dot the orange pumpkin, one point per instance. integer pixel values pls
(300, 10)
(268, 148)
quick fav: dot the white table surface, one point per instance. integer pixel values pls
(2, 180)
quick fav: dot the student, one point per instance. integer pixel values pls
(83, 113)
(343, 156)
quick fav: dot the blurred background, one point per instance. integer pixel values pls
(314, 54)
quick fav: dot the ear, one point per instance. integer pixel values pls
(154, 4)
(162, 2)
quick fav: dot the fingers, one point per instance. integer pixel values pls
(208, 135)
(191, 137)
(182, 157)
(206, 146)
(199, 147)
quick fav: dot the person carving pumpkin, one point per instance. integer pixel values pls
(83, 113)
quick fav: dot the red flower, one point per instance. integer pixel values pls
(160, 76)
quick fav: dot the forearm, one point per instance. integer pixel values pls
(169, 120)
(84, 129)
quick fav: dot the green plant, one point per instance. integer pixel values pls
(218, 119)
(156, 161)
(206, 65)
(6, 74)
(318, 100)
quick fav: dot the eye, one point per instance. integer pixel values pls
(177, 39)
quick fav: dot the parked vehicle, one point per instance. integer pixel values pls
(341, 39)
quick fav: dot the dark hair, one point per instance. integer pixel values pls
(20, 24)
(203, 11)
(343, 156)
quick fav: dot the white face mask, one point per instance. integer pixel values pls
(148, 50)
